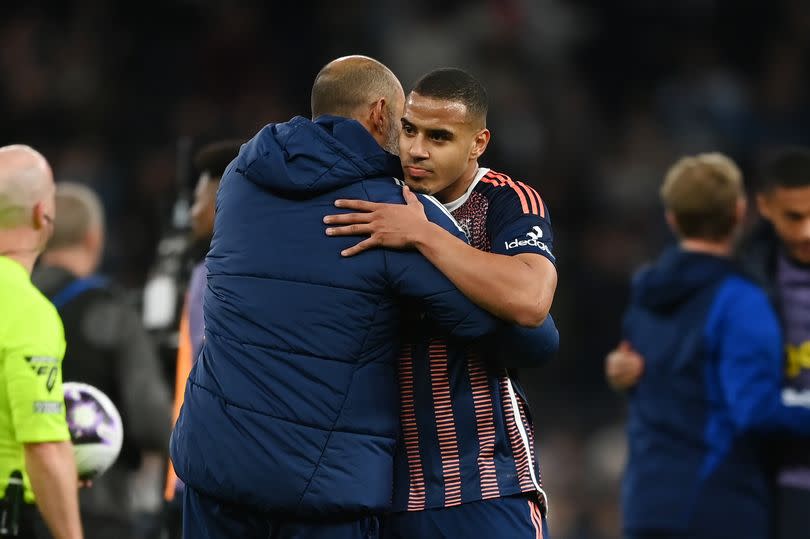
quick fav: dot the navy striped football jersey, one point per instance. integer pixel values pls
(467, 434)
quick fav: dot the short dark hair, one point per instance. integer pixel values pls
(214, 158)
(788, 167)
(453, 84)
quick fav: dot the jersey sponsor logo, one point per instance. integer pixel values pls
(534, 236)
(47, 407)
(47, 367)
(535, 233)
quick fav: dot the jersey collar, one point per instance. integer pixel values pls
(457, 203)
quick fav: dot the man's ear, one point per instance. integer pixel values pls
(40, 217)
(480, 142)
(94, 239)
(377, 116)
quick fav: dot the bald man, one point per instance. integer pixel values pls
(37, 468)
(291, 411)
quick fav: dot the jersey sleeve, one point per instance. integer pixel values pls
(518, 220)
(515, 346)
(33, 375)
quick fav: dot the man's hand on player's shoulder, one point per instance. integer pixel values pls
(396, 226)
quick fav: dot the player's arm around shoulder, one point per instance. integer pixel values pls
(391, 225)
(517, 289)
(521, 265)
(415, 276)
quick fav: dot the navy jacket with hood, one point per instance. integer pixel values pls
(293, 405)
(711, 386)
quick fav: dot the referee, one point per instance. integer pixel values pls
(36, 456)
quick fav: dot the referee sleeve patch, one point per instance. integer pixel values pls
(47, 407)
(45, 367)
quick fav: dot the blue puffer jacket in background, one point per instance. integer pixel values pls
(293, 405)
(711, 389)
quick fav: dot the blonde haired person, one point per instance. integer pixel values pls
(711, 385)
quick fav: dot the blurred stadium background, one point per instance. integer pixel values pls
(591, 100)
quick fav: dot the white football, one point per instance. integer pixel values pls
(95, 428)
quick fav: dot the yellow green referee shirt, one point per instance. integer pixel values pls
(32, 345)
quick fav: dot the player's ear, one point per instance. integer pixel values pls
(480, 142)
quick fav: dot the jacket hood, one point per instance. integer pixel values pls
(676, 276)
(303, 158)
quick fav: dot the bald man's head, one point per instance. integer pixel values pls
(26, 186)
(363, 89)
(349, 83)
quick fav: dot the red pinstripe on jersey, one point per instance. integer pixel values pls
(410, 432)
(445, 422)
(485, 422)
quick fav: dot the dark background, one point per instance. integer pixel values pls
(591, 101)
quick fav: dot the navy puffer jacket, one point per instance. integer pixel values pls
(293, 404)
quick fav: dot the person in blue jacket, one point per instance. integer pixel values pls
(711, 385)
(776, 253)
(291, 412)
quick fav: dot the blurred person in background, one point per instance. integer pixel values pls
(37, 466)
(711, 373)
(290, 415)
(210, 161)
(466, 462)
(108, 348)
(777, 254)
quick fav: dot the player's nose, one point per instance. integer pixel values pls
(417, 149)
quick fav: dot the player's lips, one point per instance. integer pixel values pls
(416, 172)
